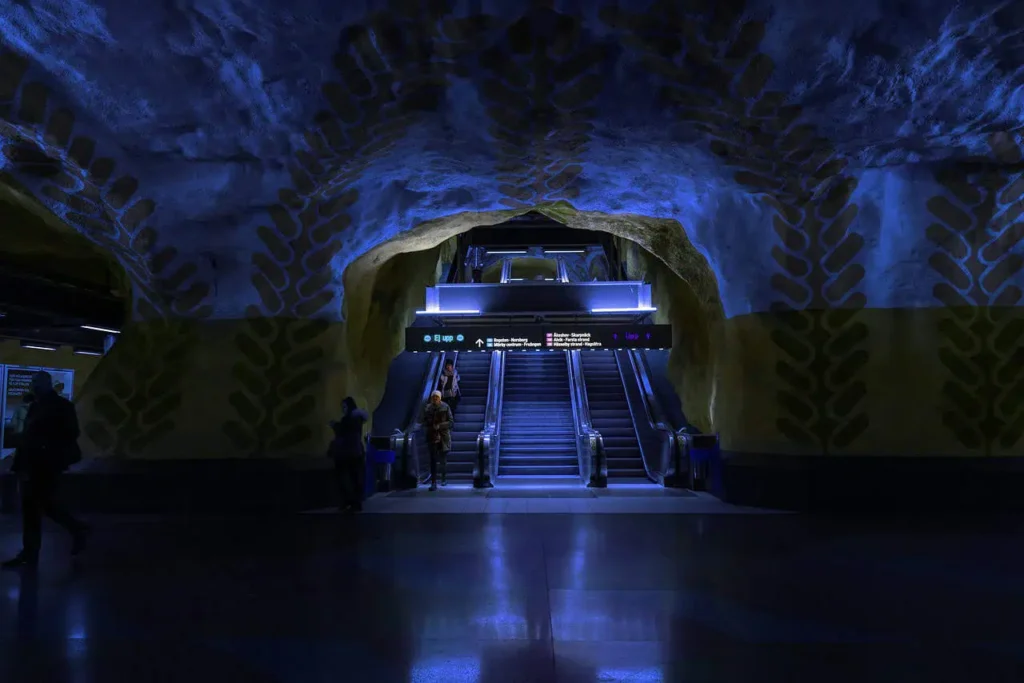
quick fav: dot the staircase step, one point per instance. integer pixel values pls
(533, 471)
(613, 442)
(541, 462)
(537, 425)
(511, 439)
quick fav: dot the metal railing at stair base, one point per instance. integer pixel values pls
(699, 457)
(589, 443)
(485, 470)
(665, 469)
(414, 467)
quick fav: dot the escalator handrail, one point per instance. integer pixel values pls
(585, 432)
(431, 379)
(489, 436)
(652, 408)
(577, 419)
(499, 393)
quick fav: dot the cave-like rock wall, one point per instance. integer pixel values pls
(851, 179)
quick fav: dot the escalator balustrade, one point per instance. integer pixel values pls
(609, 415)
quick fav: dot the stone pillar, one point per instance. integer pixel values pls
(888, 366)
(904, 382)
(184, 389)
(912, 342)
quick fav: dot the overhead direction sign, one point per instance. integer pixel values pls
(538, 337)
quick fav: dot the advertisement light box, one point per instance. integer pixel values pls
(538, 338)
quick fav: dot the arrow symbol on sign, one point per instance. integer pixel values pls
(479, 343)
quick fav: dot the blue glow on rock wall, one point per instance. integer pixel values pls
(801, 146)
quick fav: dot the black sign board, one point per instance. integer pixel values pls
(537, 337)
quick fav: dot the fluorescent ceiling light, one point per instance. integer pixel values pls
(507, 252)
(638, 309)
(467, 312)
(38, 347)
(565, 251)
(82, 352)
(100, 329)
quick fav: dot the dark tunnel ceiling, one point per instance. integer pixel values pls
(529, 230)
(229, 156)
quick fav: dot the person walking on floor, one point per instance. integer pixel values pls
(449, 386)
(438, 421)
(47, 448)
(348, 450)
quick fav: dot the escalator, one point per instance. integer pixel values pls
(665, 392)
(610, 415)
(538, 431)
(474, 370)
(418, 433)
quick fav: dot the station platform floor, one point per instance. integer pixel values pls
(531, 598)
(550, 495)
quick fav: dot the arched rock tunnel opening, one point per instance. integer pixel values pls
(293, 373)
(385, 287)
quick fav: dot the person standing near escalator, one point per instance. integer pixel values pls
(349, 454)
(449, 386)
(438, 422)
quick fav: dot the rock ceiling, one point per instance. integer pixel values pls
(236, 156)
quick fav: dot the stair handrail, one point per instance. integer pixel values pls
(404, 442)
(485, 471)
(653, 413)
(499, 394)
(583, 461)
(589, 442)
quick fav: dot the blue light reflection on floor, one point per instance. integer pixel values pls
(505, 620)
(446, 670)
(630, 675)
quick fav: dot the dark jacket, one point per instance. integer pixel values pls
(448, 385)
(348, 435)
(49, 443)
(437, 419)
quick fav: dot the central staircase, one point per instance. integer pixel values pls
(538, 432)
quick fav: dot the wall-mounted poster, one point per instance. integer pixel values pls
(17, 383)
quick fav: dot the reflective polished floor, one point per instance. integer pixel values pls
(518, 496)
(519, 597)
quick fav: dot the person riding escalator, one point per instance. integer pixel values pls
(438, 421)
(449, 386)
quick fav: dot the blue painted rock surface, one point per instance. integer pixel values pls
(237, 156)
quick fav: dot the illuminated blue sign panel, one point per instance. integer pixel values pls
(538, 338)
